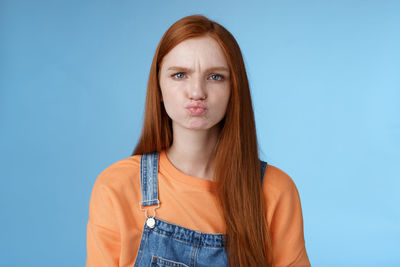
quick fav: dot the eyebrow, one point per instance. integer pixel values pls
(184, 69)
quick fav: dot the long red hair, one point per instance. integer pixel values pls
(237, 176)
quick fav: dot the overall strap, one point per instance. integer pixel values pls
(263, 166)
(148, 179)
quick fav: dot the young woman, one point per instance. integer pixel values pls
(194, 192)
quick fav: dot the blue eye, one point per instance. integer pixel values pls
(216, 77)
(179, 75)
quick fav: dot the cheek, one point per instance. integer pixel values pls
(224, 97)
(171, 102)
(220, 103)
(166, 101)
(165, 93)
(172, 92)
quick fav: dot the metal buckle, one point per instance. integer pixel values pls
(145, 210)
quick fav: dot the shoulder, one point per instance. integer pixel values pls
(280, 191)
(120, 173)
(114, 187)
(277, 181)
(284, 218)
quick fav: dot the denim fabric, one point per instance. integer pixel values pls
(167, 244)
(148, 179)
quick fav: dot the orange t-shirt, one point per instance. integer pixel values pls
(115, 220)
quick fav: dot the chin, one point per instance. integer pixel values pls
(197, 124)
(198, 127)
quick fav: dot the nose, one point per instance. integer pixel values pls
(196, 89)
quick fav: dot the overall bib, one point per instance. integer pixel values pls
(167, 244)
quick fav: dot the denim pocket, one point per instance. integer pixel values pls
(160, 262)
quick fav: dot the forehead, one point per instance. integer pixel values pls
(204, 51)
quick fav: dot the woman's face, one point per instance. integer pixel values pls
(195, 84)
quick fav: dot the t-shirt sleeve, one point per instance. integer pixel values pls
(285, 219)
(103, 235)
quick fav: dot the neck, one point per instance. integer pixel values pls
(192, 151)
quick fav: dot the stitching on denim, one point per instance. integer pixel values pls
(167, 262)
(183, 240)
(143, 242)
(195, 249)
(155, 230)
(190, 230)
(149, 179)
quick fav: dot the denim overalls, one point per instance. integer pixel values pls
(167, 244)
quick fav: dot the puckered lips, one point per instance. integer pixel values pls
(196, 108)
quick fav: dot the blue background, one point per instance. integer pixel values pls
(325, 79)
